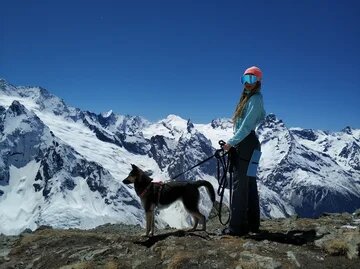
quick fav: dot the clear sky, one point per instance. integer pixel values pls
(185, 57)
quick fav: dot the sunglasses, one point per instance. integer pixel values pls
(250, 79)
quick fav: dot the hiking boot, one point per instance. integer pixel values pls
(228, 231)
(255, 230)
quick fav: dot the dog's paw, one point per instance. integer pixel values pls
(147, 235)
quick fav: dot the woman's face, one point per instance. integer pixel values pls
(250, 87)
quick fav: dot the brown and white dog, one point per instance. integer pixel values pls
(153, 194)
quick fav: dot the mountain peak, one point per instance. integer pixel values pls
(6, 87)
(107, 114)
(173, 117)
(271, 121)
(174, 121)
(45, 93)
(272, 118)
(17, 108)
(347, 130)
(222, 123)
(190, 126)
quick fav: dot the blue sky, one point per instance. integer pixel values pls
(154, 58)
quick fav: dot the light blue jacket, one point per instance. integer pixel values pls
(252, 115)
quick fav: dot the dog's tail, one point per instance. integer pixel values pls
(209, 187)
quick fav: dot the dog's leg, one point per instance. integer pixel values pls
(197, 216)
(204, 223)
(196, 222)
(191, 200)
(152, 230)
(148, 222)
(152, 222)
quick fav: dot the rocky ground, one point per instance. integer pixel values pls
(332, 241)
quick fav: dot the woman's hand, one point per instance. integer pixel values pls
(227, 147)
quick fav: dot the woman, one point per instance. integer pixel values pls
(245, 210)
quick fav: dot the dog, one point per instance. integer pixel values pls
(153, 194)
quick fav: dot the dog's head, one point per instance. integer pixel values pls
(133, 176)
(137, 175)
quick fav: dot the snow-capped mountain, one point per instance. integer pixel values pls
(63, 167)
(305, 175)
(45, 181)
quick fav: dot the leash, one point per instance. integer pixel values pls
(200, 163)
(226, 166)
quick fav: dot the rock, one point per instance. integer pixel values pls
(27, 231)
(348, 227)
(249, 246)
(233, 255)
(121, 246)
(353, 245)
(341, 242)
(43, 227)
(291, 257)
(356, 214)
(322, 230)
(260, 261)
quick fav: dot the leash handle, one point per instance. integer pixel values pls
(222, 143)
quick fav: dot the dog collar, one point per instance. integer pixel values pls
(145, 190)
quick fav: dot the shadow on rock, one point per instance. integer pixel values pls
(296, 237)
(149, 242)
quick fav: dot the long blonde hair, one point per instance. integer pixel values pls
(243, 100)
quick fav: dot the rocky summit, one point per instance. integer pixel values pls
(330, 241)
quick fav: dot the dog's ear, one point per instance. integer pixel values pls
(134, 167)
(149, 173)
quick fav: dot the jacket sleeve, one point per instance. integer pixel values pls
(254, 114)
